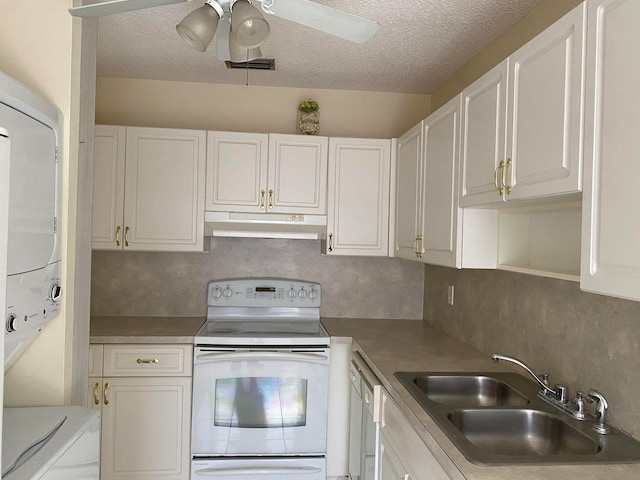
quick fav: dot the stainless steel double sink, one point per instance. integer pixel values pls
(497, 418)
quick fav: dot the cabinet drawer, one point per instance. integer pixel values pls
(419, 461)
(147, 360)
(95, 360)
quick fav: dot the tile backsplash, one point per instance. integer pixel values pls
(175, 284)
(581, 339)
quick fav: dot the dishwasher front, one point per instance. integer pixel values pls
(363, 432)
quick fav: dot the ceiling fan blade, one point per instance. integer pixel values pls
(325, 19)
(118, 6)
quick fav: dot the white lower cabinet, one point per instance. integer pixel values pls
(144, 395)
(403, 454)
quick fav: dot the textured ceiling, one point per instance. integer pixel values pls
(420, 44)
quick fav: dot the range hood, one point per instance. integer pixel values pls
(265, 225)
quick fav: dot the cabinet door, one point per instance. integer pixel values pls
(108, 187)
(297, 181)
(483, 137)
(611, 217)
(411, 453)
(440, 203)
(236, 172)
(391, 467)
(145, 428)
(358, 217)
(545, 111)
(408, 190)
(164, 189)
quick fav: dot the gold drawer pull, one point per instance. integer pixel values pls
(154, 360)
(105, 394)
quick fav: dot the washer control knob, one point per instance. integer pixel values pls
(227, 292)
(217, 293)
(302, 293)
(292, 293)
(11, 323)
(55, 292)
(313, 295)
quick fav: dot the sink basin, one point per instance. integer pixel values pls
(497, 418)
(468, 390)
(521, 432)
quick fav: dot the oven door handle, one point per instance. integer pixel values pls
(256, 356)
(213, 472)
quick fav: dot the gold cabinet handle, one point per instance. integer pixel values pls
(105, 394)
(495, 177)
(330, 242)
(126, 236)
(507, 187)
(152, 360)
(270, 198)
(96, 393)
(262, 193)
(118, 228)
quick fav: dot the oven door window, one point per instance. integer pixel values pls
(260, 402)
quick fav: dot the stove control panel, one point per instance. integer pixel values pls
(264, 292)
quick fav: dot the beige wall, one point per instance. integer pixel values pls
(36, 39)
(547, 12)
(343, 113)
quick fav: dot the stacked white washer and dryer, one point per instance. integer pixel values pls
(47, 443)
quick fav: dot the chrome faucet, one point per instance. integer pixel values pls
(559, 393)
(602, 406)
(558, 397)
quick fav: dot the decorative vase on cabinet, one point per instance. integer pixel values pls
(308, 117)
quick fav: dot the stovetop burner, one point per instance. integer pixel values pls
(263, 311)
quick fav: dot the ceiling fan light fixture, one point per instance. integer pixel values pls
(248, 24)
(199, 27)
(238, 53)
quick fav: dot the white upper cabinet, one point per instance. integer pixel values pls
(408, 194)
(249, 172)
(108, 187)
(522, 121)
(440, 212)
(611, 216)
(236, 171)
(358, 213)
(297, 180)
(483, 137)
(429, 224)
(148, 189)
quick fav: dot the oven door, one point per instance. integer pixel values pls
(249, 401)
(305, 468)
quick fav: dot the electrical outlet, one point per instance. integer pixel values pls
(450, 291)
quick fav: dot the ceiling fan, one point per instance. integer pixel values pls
(241, 27)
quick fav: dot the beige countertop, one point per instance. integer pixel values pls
(144, 329)
(412, 345)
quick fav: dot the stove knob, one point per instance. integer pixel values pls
(227, 292)
(302, 293)
(11, 323)
(292, 293)
(313, 295)
(216, 294)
